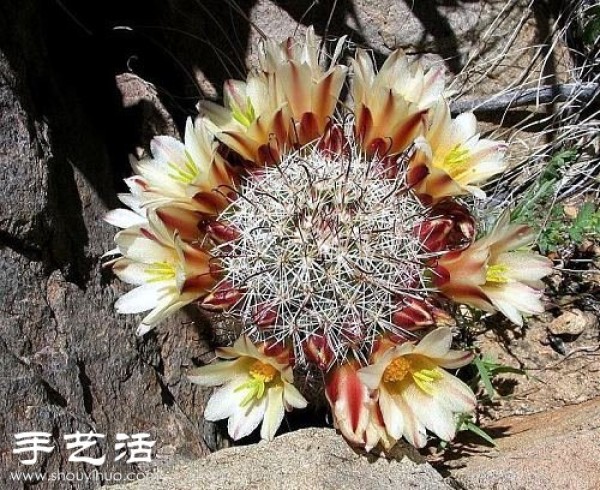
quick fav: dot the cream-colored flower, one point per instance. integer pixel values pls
(456, 159)
(354, 408)
(287, 103)
(403, 78)
(390, 106)
(256, 387)
(414, 393)
(310, 90)
(494, 273)
(168, 272)
(254, 121)
(189, 175)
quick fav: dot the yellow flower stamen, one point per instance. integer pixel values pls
(186, 175)
(263, 371)
(426, 378)
(160, 271)
(423, 372)
(396, 370)
(455, 162)
(496, 273)
(245, 118)
(261, 374)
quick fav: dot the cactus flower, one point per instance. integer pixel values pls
(309, 90)
(454, 156)
(254, 120)
(256, 388)
(188, 175)
(495, 274)
(390, 106)
(169, 273)
(414, 393)
(350, 400)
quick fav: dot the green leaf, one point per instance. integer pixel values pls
(591, 30)
(475, 429)
(534, 202)
(484, 376)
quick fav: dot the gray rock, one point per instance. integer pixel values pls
(307, 459)
(68, 361)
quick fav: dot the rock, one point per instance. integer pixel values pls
(303, 460)
(545, 451)
(68, 361)
(572, 323)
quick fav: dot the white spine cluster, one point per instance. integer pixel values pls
(326, 242)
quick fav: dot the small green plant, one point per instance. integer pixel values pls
(488, 368)
(536, 199)
(591, 27)
(557, 229)
(466, 422)
(561, 230)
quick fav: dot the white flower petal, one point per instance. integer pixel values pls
(414, 430)
(167, 150)
(371, 375)
(391, 412)
(141, 249)
(198, 147)
(436, 343)
(219, 372)
(244, 420)
(124, 218)
(455, 395)
(430, 412)
(168, 305)
(273, 413)
(464, 127)
(525, 267)
(292, 396)
(225, 401)
(514, 298)
(509, 311)
(134, 202)
(131, 272)
(216, 117)
(142, 298)
(454, 359)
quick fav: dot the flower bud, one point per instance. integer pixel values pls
(222, 297)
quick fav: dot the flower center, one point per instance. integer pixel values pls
(423, 372)
(496, 273)
(261, 374)
(186, 174)
(454, 162)
(244, 117)
(425, 378)
(396, 370)
(262, 371)
(160, 271)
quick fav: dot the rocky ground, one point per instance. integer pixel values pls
(546, 451)
(82, 85)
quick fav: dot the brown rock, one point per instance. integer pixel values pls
(545, 451)
(572, 322)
